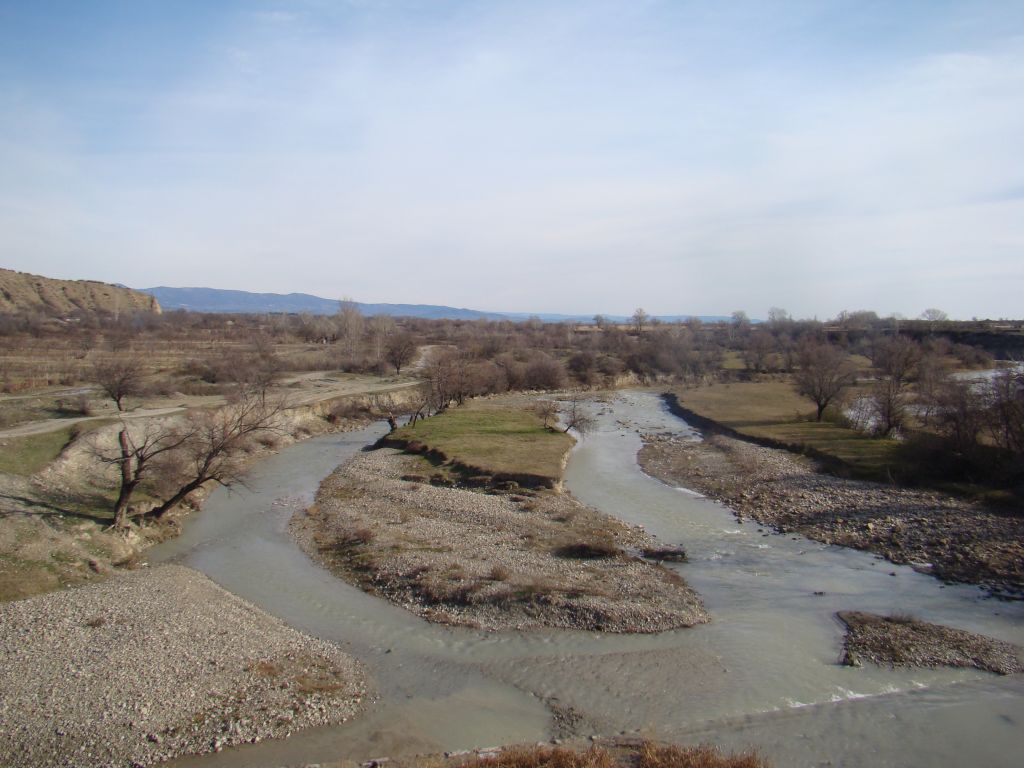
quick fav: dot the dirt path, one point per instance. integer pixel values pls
(302, 389)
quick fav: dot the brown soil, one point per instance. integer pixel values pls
(899, 641)
(508, 560)
(954, 539)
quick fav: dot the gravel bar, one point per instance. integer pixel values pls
(951, 538)
(154, 664)
(489, 560)
(903, 641)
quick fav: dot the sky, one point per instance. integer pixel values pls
(557, 156)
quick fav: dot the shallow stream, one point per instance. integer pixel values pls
(764, 673)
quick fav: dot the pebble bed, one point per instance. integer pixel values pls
(487, 560)
(909, 642)
(154, 664)
(953, 539)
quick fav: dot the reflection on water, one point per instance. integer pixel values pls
(764, 672)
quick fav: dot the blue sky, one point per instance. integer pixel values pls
(530, 156)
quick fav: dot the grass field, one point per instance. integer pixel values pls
(27, 455)
(773, 410)
(496, 439)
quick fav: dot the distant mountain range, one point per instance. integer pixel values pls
(220, 300)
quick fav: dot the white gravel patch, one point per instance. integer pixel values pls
(154, 664)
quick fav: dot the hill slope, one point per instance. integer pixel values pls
(23, 292)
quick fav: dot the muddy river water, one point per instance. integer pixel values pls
(763, 673)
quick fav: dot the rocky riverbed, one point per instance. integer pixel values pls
(491, 560)
(954, 539)
(903, 641)
(154, 664)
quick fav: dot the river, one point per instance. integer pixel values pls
(764, 673)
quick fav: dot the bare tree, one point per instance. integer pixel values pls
(184, 454)
(1006, 410)
(933, 315)
(381, 328)
(136, 455)
(640, 318)
(401, 349)
(824, 373)
(212, 441)
(897, 358)
(958, 413)
(739, 324)
(350, 324)
(119, 378)
(757, 352)
(547, 412)
(577, 416)
(888, 403)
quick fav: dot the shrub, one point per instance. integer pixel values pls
(588, 550)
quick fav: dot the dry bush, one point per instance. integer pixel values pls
(665, 554)
(358, 537)
(307, 683)
(705, 756)
(646, 755)
(265, 668)
(499, 573)
(593, 549)
(547, 757)
(347, 409)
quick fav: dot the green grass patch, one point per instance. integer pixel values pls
(499, 441)
(772, 410)
(27, 455)
(31, 453)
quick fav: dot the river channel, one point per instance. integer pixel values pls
(763, 673)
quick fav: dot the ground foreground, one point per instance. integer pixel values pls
(907, 642)
(955, 539)
(155, 664)
(618, 754)
(512, 560)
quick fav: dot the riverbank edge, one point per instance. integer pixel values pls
(91, 553)
(945, 554)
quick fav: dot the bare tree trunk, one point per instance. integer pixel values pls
(159, 511)
(127, 481)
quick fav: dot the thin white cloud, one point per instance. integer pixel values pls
(554, 158)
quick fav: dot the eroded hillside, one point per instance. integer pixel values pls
(22, 292)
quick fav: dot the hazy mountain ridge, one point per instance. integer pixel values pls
(223, 300)
(24, 292)
(228, 301)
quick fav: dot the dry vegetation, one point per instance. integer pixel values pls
(643, 755)
(51, 358)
